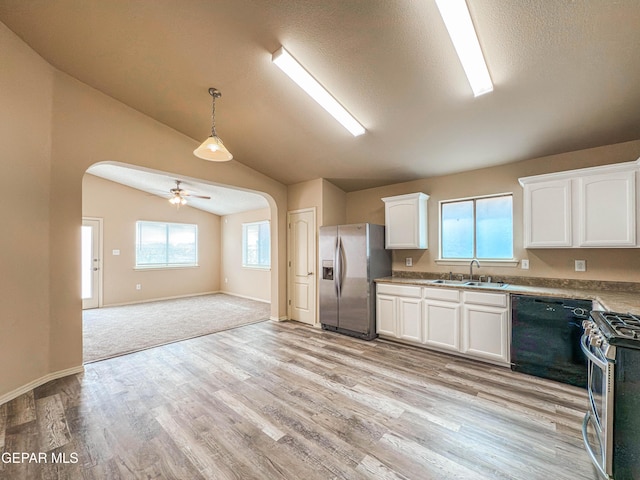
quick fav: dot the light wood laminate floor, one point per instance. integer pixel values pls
(286, 401)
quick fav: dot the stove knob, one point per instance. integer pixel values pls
(595, 340)
(586, 323)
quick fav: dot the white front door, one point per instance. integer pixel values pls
(91, 263)
(302, 265)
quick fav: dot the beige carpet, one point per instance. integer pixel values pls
(112, 331)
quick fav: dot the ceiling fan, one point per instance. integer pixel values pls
(178, 195)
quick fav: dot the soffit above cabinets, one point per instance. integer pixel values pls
(565, 78)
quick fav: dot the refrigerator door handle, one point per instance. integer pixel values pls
(341, 262)
(336, 270)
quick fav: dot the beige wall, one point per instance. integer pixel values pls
(235, 279)
(602, 264)
(329, 200)
(305, 195)
(26, 96)
(54, 128)
(334, 204)
(120, 208)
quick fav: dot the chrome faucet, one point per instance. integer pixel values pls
(471, 268)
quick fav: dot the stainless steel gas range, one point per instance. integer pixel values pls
(611, 427)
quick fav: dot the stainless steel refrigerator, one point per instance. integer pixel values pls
(351, 257)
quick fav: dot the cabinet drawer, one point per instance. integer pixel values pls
(400, 290)
(485, 298)
(447, 294)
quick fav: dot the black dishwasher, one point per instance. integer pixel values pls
(545, 338)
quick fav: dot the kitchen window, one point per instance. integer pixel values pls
(256, 245)
(479, 227)
(160, 244)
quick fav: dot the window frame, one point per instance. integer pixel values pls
(258, 266)
(441, 260)
(167, 264)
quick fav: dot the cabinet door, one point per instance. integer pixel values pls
(547, 214)
(410, 319)
(406, 221)
(485, 332)
(607, 210)
(441, 320)
(386, 315)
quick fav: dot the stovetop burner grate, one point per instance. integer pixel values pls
(624, 319)
(621, 326)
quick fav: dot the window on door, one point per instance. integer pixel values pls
(160, 244)
(477, 228)
(256, 245)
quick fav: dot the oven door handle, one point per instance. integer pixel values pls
(584, 344)
(585, 438)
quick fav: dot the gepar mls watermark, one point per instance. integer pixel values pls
(39, 457)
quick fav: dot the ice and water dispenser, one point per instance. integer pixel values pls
(327, 269)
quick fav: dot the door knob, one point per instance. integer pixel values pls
(310, 273)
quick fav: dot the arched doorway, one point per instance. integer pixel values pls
(131, 203)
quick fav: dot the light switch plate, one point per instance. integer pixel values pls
(408, 261)
(524, 264)
(581, 265)
(115, 252)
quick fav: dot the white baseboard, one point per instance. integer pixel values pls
(281, 319)
(245, 296)
(40, 381)
(149, 300)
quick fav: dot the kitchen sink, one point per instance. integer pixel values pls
(449, 282)
(486, 284)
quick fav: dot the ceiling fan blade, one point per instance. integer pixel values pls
(196, 196)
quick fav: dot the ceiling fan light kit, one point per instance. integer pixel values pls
(212, 148)
(178, 195)
(177, 200)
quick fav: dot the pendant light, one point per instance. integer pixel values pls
(212, 148)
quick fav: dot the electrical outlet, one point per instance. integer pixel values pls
(581, 265)
(138, 286)
(524, 264)
(408, 262)
(226, 280)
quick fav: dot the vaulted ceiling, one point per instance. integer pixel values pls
(565, 73)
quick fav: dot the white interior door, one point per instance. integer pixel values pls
(91, 263)
(302, 266)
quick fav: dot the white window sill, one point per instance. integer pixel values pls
(511, 262)
(164, 267)
(256, 267)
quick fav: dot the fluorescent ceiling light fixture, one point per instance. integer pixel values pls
(298, 74)
(458, 22)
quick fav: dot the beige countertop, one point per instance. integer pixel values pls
(610, 299)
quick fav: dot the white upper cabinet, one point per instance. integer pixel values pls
(406, 221)
(547, 214)
(590, 208)
(607, 206)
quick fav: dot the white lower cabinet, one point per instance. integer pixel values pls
(485, 332)
(399, 312)
(386, 315)
(441, 313)
(410, 319)
(485, 325)
(468, 322)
